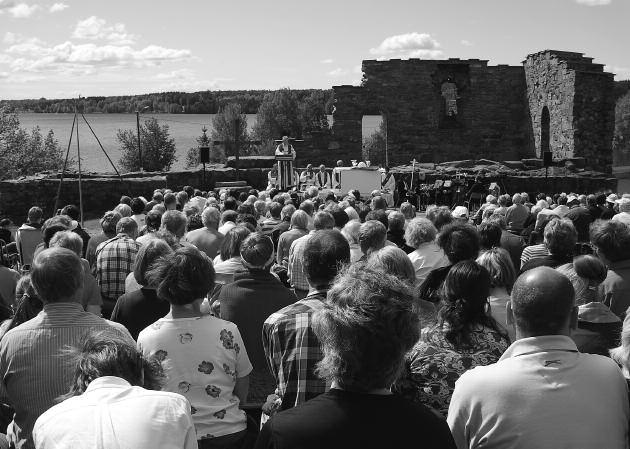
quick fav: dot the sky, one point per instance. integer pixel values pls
(65, 48)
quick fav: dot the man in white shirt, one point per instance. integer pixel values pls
(542, 393)
(307, 177)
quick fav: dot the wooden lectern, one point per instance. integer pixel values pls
(285, 171)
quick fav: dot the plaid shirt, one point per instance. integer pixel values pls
(295, 270)
(293, 350)
(114, 261)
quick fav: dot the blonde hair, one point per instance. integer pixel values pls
(499, 264)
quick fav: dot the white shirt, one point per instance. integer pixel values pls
(225, 227)
(202, 357)
(541, 394)
(111, 414)
(139, 219)
(427, 257)
(622, 217)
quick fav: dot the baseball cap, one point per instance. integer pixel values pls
(612, 198)
(460, 212)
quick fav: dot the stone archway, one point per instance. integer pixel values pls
(545, 131)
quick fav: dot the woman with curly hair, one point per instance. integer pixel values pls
(465, 336)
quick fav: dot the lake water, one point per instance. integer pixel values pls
(184, 128)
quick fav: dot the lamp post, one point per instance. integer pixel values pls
(138, 127)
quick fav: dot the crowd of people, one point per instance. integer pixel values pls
(285, 320)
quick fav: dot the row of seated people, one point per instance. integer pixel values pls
(338, 313)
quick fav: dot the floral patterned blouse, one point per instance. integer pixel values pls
(434, 364)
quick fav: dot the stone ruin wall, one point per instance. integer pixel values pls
(499, 109)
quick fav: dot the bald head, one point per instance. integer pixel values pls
(543, 303)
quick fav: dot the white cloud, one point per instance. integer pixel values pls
(594, 2)
(179, 74)
(357, 69)
(16, 38)
(466, 43)
(410, 45)
(327, 61)
(621, 73)
(58, 7)
(6, 4)
(338, 72)
(22, 10)
(94, 28)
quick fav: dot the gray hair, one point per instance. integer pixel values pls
(124, 210)
(57, 274)
(127, 225)
(69, 240)
(419, 231)
(393, 260)
(174, 222)
(210, 217)
(351, 231)
(299, 220)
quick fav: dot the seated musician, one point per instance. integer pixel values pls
(307, 177)
(322, 178)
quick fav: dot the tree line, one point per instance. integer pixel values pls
(206, 102)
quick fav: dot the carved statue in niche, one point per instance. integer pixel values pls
(449, 93)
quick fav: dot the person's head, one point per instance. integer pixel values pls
(287, 212)
(57, 275)
(67, 239)
(125, 200)
(174, 222)
(299, 220)
(170, 201)
(394, 261)
(308, 207)
(285, 140)
(261, 207)
(489, 234)
(71, 211)
(419, 230)
(560, 237)
(324, 255)
(352, 213)
(351, 231)
(210, 218)
(499, 265)
(591, 200)
(54, 225)
(275, 209)
(27, 302)
(465, 302)
(499, 220)
(338, 214)
(460, 213)
(378, 215)
(35, 215)
(491, 199)
(127, 226)
(611, 240)
(147, 256)
(109, 221)
(372, 236)
(562, 200)
(517, 198)
(339, 163)
(396, 222)
(365, 328)
(439, 216)
(107, 352)
(182, 277)
(157, 197)
(231, 244)
(123, 209)
(247, 220)
(229, 216)
(459, 241)
(309, 167)
(542, 303)
(408, 210)
(323, 220)
(153, 220)
(181, 198)
(322, 168)
(586, 273)
(137, 206)
(257, 251)
(379, 203)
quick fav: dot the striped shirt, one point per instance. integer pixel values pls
(33, 367)
(533, 252)
(114, 261)
(295, 269)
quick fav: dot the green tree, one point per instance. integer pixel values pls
(278, 114)
(374, 145)
(158, 147)
(217, 154)
(230, 123)
(312, 112)
(23, 153)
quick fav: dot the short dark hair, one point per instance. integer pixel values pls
(489, 234)
(153, 220)
(324, 254)
(439, 216)
(190, 191)
(35, 214)
(379, 203)
(366, 327)
(542, 300)
(230, 203)
(611, 239)
(231, 244)
(71, 211)
(127, 225)
(275, 208)
(125, 200)
(323, 220)
(378, 215)
(396, 221)
(339, 215)
(307, 206)
(256, 250)
(460, 241)
(108, 352)
(57, 274)
(229, 215)
(148, 254)
(137, 206)
(170, 198)
(183, 276)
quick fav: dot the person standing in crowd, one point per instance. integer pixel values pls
(291, 347)
(611, 241)
(542, 383)
(115, 259)
(207, 239)
(295, 270)
(108, 223)
(33, 366)
(113, 397)
(465, 336)
(138, 308)
(253, 296)
(366, 326)
(204, 357)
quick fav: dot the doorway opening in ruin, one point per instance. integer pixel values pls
(373, 138)
(545, 133)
